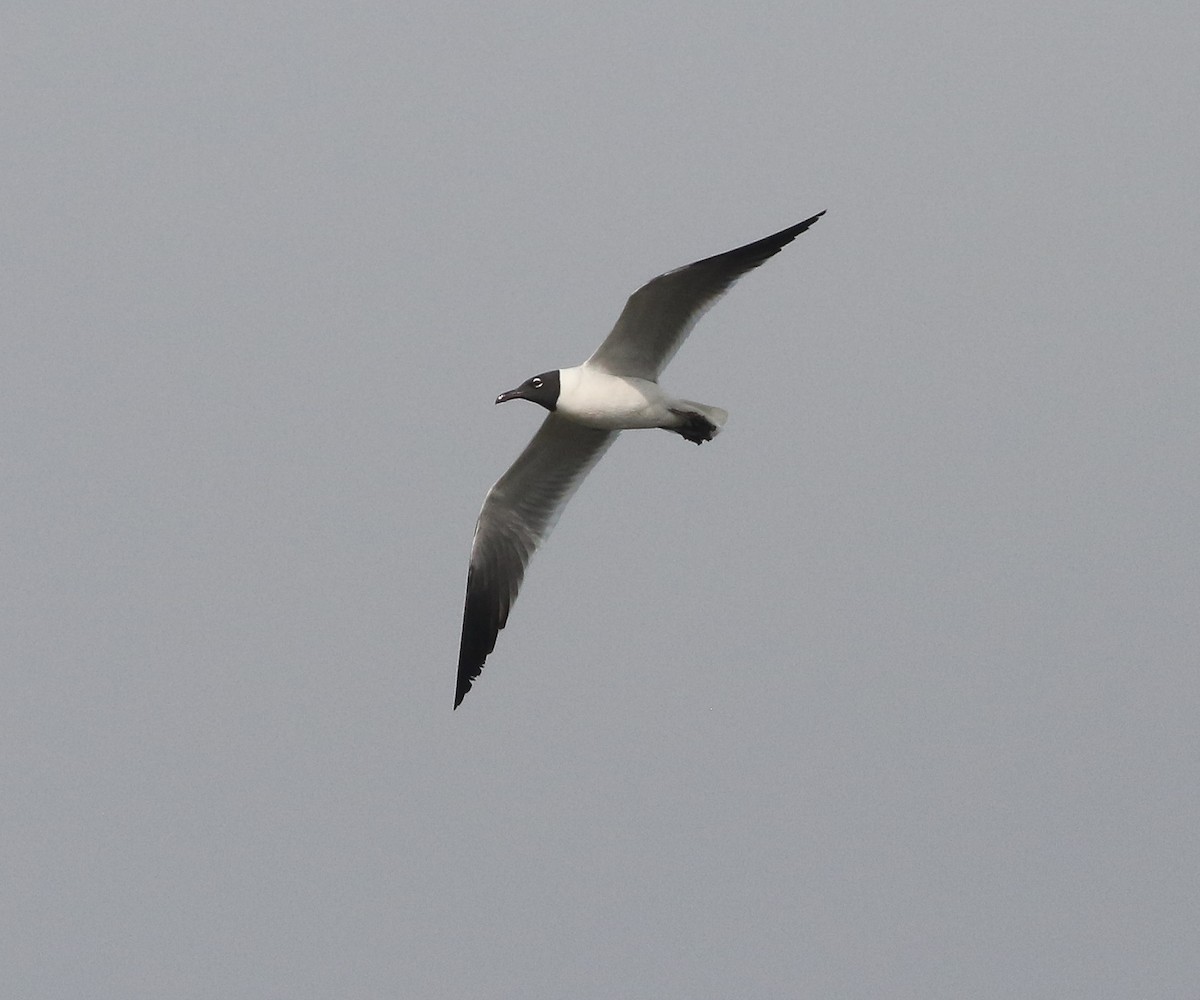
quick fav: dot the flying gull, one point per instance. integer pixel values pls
(615, 389)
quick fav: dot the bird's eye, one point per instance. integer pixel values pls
(536, 383)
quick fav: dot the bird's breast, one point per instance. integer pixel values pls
(610, 402)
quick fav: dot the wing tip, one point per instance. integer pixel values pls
(800, 227)
(466, 678)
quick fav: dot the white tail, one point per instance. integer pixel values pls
(714, 414)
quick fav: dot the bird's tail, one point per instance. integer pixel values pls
(696, 422)
(713, 414)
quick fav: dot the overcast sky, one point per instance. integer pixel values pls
(893, 690)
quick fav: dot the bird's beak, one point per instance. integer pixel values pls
(504, 397)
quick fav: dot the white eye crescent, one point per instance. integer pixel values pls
(536, 383)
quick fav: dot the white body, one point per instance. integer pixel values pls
(620, 402)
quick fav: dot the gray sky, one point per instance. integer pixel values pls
(890, 691)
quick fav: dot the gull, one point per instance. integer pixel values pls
(616, 389)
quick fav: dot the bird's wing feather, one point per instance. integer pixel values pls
(659, 315)
(517, 516)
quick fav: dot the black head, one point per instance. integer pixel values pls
(541, 389)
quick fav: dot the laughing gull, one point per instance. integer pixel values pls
(615, 389)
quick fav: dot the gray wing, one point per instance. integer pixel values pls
(660, 314)
(518, 514)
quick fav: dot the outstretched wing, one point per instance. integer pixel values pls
(659, 315)
(518, 514)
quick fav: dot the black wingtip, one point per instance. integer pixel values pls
(465, 678)
(771, 245)
(800, 227)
